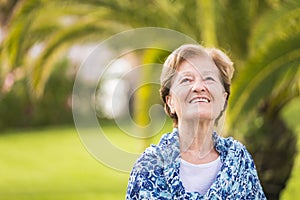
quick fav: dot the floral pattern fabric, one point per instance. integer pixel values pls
(155, 175)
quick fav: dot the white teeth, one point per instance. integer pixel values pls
(201, 99)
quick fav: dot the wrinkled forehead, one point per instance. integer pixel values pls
(198, 65)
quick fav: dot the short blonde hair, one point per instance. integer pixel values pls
(188, 51)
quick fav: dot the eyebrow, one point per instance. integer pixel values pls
(184, 73)
(190, 73)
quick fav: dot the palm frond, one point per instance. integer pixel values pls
(275, 24)
(59, 42)
(274, 51)
(264, 74)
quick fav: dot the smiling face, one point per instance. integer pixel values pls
(196, 91)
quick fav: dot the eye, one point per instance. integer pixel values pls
(209, 78)
(186, 80)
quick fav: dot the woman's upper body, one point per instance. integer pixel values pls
(156, 174)
(195, 87)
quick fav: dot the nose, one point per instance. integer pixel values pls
(199, 86)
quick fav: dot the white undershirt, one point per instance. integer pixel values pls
(199, 178)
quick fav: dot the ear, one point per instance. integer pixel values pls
(225, 95)
(169, 101)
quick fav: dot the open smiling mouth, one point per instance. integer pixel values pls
(200, 100)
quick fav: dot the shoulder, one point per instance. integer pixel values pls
(147, 176)
(232, 148)
(227, 142)
(158, 155)
(239, 166)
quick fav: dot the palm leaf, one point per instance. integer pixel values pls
(275, 24)
(57, 44)
(273, 53)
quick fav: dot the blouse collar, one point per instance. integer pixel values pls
(172, 162)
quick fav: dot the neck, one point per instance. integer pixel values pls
(196, 136)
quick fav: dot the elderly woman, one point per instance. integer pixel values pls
(193, 161)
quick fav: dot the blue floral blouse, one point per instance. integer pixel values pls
(155, 175)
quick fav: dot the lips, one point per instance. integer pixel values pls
(201, 99)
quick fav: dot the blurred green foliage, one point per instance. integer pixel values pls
(262, 37)
(18, 109)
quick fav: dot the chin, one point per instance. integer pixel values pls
(203, 117)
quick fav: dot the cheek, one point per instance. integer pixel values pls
(218, 95)
(180, 93)
(179, 96)
(214, 89)
(178, 99)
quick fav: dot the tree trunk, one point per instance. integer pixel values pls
(273, 146)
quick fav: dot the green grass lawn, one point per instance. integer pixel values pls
(52, 163)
